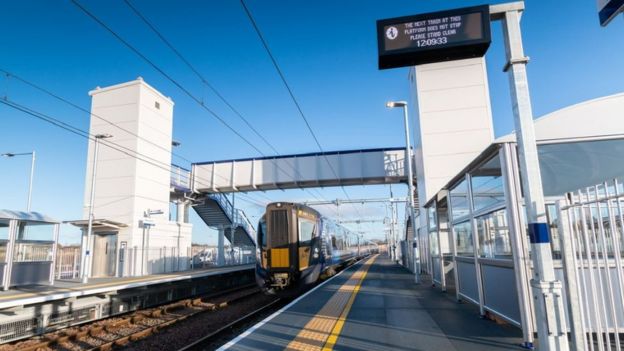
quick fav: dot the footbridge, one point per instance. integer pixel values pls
(323, 169)
(208, 181)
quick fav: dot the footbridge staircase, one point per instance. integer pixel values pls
(215, 209)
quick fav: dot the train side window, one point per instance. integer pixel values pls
(306, 229)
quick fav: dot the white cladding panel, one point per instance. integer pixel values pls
(453, 119)
(331, 169)
(125, 186)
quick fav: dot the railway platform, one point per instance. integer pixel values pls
(68, 288)
(36, 309)
(376, 305)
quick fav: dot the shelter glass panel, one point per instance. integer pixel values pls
(32, 252)
(463, 239)
(432, 217)
(459, 200)
(433, 242)
(493, 232)
(39, 231)
(571, 166)
(4, 229)
(487, 184)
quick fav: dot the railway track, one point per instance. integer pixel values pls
(125, 331)
(219, 336)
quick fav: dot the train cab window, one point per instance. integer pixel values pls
(306, 229)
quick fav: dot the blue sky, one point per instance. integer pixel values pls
(327, 50)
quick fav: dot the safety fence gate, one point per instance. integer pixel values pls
(591, 227)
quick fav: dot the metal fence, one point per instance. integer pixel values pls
(591, 227)
(157, 259)
(67, 262)
(204, 256)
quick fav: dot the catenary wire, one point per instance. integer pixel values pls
(205, 81)
(170, 78)
(77, 131)
(290, 92)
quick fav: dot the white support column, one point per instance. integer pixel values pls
(518, 248)
(547, 291)
(54, 247)
(13, 228)
(221, 247)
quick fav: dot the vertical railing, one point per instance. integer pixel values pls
(180, 177)
(591, 231)
(67, 262)
(240, 219)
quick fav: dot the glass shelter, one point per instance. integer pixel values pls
(483, 256)
(28, 242)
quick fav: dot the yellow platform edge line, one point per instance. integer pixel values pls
(335, 333)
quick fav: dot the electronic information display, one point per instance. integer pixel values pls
(433, 37)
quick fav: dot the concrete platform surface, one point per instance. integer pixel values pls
(62, 289)
(375, 305)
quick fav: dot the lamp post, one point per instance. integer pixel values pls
(32, 172)
(410, 179)
(86, 254)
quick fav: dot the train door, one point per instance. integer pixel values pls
(306, 233)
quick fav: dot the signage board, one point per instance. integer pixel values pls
(433, 37)
(608, 9)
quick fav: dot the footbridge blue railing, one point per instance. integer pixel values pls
(180, 180)
(240, 218)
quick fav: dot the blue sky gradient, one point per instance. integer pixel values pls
(327, 50)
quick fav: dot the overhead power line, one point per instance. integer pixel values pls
(290, 91)
(197, 73)
(78, 107)
(205, 81)
(82, 133)
(161, 71)
(167, 76)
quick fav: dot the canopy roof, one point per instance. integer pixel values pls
(595, 119)
(26, 216)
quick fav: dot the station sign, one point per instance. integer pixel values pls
(608, 10)
(433, 37)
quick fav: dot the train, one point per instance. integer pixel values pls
(296, 247)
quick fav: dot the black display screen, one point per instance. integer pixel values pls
(433, 37)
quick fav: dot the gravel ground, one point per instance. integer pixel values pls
(186, 331)
(127, 329)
